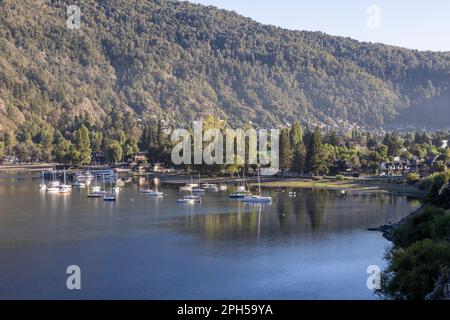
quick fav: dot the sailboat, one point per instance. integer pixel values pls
(111, 196)
(198, 189)
(53, 186)
(43, 186)
(151, 192)
(96, 190)
(258, 198)
(191, 198)
(148, 190)
(241, 191)
(65, 188)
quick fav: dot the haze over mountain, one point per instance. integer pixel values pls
(179, 61)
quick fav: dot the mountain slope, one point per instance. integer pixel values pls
(179, 60)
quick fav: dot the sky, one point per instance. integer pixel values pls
(415, 24)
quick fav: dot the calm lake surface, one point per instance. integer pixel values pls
(314, 246)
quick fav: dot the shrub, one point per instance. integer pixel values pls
(412, 178)
(412, 272)
(440, 228)
(417, 227)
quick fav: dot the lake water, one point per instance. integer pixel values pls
(314, 246)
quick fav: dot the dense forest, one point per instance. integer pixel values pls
(131, 61)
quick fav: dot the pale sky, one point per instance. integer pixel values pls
(423, 25)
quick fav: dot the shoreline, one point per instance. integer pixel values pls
(388, 229)
(366, 185)
(27, 167)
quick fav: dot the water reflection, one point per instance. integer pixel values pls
(217, 218)
(312, 212)
(294, 248)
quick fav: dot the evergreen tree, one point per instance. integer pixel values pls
(83, 146)
(285, 150)
(299, 150)
(315, 160)
(296, 134)
(299, 158)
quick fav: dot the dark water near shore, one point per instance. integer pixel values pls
(314, 246)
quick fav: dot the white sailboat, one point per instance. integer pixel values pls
(148, 190)
(152, 192)
(96, 191)
(198, 189)
(111, 196)
(241, 190)
(43, 186)
(188, 186)
(53, 186)
(65, 188)
(258, 198)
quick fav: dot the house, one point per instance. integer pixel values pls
(8, 160)
(159, 168)
(140, 157)
(98, 158)
(397, 166)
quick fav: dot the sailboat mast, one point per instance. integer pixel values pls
(259, 182)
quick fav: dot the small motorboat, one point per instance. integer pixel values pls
(257, 199)
(155, 194)
(109, 197)
(223, 187)
(187, 201)
(95, 194)
(43, 187)
(238, 195)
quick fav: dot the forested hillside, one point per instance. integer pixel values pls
(176, 60)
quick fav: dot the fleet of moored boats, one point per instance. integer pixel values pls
(191, 192)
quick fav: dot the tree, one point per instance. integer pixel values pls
(333, 139)
(299, 158)
(64, 150)
(285, 150)
(371, 142)
(299, 150)
(9, 140)
(114, 150)
(83, 146)
(315, 160)
(296, 134)
(439, 166)
(382, 152)
(130, 148)
(393, 143)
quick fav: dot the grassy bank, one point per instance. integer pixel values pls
(361, 185)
